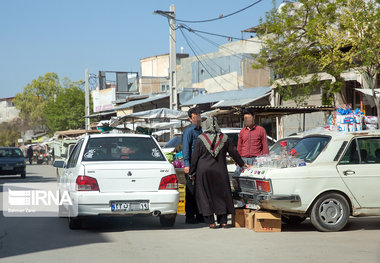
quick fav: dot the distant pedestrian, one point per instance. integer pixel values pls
(29, 154)
(252, 140)
(209, 170)
(189, 137)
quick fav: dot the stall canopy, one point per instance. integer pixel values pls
(162, 113)
(369, 92)
(239, 97)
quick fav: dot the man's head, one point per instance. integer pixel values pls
(249, 117)
(195, 116)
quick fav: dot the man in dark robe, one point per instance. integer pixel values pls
(209, 170)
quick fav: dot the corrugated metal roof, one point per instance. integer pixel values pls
(136, 102)
(238, 102)
(234, 96)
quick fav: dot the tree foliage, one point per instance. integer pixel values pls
(67, 111)
(35, 97)
(52, 103)
(10, 132)
(314, 36)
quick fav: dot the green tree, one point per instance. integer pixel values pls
(67, 111)
(303, 39)
(10, 132)
(359, 31)
(34, 98)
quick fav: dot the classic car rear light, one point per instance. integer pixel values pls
(169, 182)
(86, 183)
(262, 185)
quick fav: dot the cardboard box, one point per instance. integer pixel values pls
(267, 222)
(249, 219)
(239, 217)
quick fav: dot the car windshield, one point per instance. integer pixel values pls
(173, 142)
(122, 149)
(233, 136)
(310, 147)
(291, 142)
(13, 153)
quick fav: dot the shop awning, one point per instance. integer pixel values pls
(369, 92)
(230, 97)
(137, 102)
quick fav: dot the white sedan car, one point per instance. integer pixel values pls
(341, 179)
(118, 174)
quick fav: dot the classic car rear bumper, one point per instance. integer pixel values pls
(260, 198)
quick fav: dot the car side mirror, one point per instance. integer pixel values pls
(59, 164)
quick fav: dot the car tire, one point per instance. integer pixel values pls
(168, 220)
(23, 174)
(75, 223)
(330, 212)
(292, 220)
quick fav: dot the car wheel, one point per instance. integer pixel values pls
(23, 174)
(330, 212)
(75, 223)
(292, 220)
(167, 220)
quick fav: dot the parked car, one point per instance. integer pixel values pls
(341, 179)
(291, 142)
(119, 174)
(12, 161)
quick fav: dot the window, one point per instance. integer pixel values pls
(9, 153)
(73, 159)
(164, 88)
(362, 151)
(122, 149)
(309, 148)
(291, 142)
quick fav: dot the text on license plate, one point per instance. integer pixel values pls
(122, 206)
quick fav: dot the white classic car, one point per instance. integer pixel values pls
(118, 174)
(341, 179)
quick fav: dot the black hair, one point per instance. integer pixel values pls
(191, 111)
(249, 111)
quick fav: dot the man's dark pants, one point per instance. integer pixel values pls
(191, 208)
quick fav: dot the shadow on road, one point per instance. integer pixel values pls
(120, 223)
(354, 224)
(23, 235)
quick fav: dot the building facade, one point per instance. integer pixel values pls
(8, 111)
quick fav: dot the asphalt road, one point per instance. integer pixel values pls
(123, 239)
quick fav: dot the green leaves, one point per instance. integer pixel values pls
(10, 132)
(314, 36)
(67, 112)
(49, 102)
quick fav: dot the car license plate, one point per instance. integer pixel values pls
(8, 168)
(126, 206)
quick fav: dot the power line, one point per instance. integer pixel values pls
(214, 34)
(220, 17)
(221, 68)
(187, 41)
(210, 59)
(221, 46)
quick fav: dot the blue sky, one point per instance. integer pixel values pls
(68, 36)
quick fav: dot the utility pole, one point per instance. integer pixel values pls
(173, 61)
(173, 104)
(87, 100)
